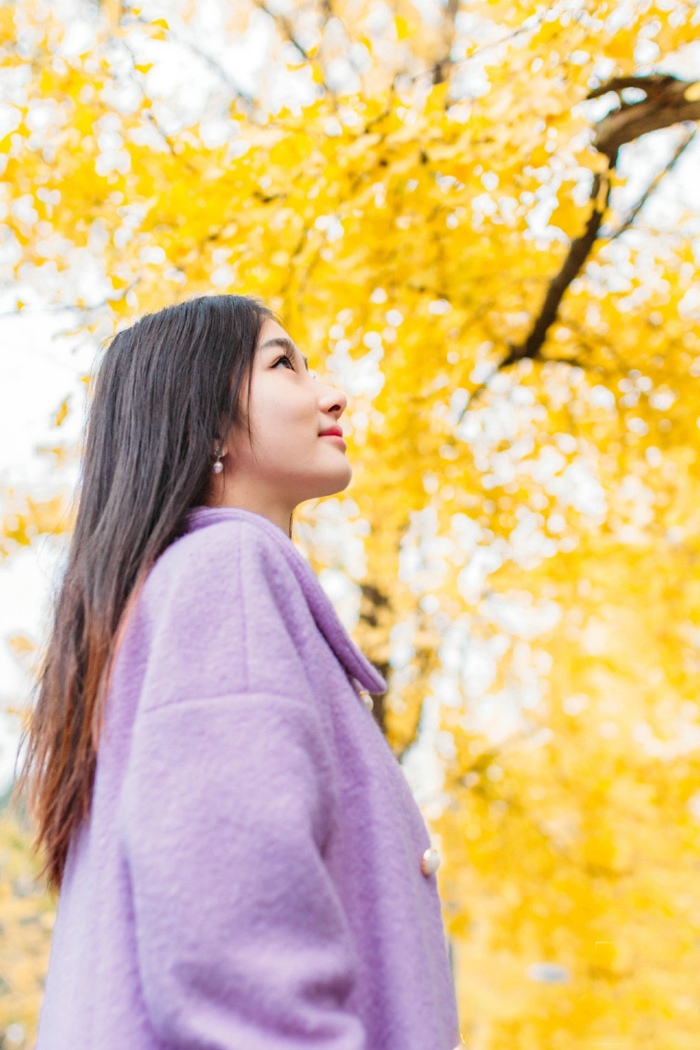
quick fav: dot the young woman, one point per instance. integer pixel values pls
(240, 861)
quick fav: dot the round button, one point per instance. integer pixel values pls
(430, 862)
(367, 699)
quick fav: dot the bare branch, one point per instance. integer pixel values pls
(287, 28)
(289, 33)
(677, 154)
(531, 23)
(235, 89)
(442, 67)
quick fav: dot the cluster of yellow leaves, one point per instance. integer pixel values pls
(26, 519)
(573, 848)
(25, 935)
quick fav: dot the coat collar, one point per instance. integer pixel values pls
(353, 659)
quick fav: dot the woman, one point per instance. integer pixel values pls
(241, 863)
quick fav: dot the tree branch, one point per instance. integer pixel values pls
(668, 101)
(677, 154)
(443, 65)
(372, 600)
(577, 256)
(234, 89)
(289, 33)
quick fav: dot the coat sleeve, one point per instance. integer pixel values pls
(241, 938)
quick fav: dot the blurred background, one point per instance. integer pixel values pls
(482, 220)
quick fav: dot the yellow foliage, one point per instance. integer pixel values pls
(621, 46)
(21, 645)
(61, 412)
(543, 522)
(402, 27)
(570, 217)
(25, 933)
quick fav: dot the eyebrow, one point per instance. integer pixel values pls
(286, 344)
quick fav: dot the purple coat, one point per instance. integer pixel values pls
(251, 875)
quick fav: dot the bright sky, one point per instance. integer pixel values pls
(38, 368)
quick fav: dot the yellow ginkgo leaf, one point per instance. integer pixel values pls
(61, 412)
(622, 45)
(21, 644)
(402, 27)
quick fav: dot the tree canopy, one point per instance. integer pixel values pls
(461, 212)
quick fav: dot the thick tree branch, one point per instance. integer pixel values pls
(372, 600)
(577, 255)
(668, 101)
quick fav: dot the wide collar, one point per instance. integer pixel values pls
(353, 659)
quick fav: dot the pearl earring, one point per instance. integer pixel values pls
(218, 466)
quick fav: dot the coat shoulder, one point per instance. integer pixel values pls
(233, 556)
(220, 613)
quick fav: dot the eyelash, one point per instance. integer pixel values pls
(286, 357)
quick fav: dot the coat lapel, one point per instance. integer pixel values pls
(329, 624)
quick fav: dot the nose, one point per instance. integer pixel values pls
(333, 399)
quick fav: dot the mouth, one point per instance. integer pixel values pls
(336, 438)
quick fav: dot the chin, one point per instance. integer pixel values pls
(346, 477)
(330, 485)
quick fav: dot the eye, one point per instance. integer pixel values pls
(287, 358)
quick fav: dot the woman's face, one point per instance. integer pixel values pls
(289, 461)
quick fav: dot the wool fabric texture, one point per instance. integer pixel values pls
(250, 874)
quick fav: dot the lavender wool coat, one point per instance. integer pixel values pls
(250, 877)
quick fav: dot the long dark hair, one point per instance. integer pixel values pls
(167, 390)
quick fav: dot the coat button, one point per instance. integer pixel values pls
(367, 699)
(430, 862)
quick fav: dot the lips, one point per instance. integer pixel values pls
(335, 434)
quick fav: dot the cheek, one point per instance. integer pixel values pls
(283, 416)
(280, 405)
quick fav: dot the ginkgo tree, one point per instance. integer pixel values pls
(453, 209)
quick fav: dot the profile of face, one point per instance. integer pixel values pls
(288, 460)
